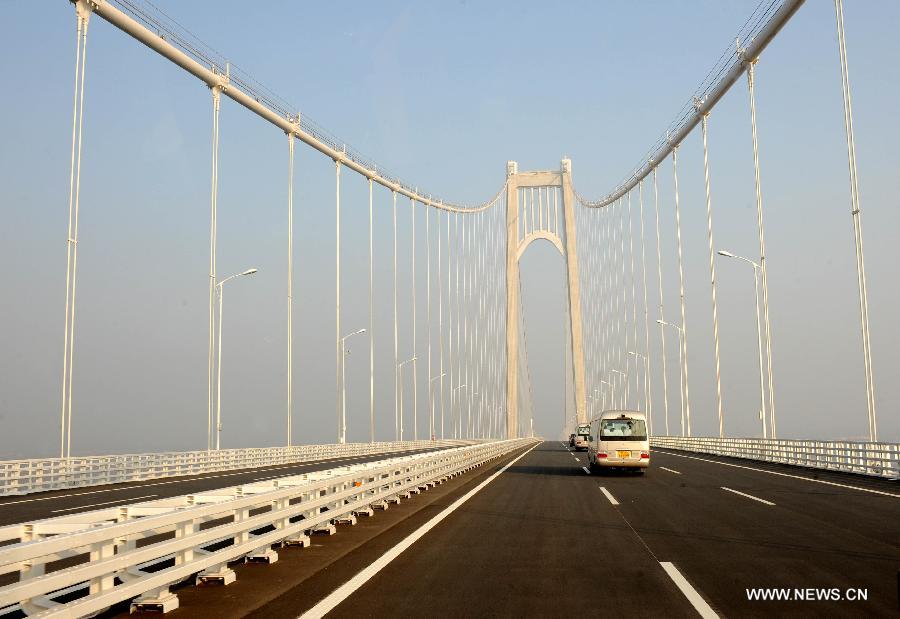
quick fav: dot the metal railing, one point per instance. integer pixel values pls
(876, 459)
(117, 554)
(41, 475)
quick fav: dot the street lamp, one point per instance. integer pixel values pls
(400, 368)
(762, 389)
(637, 356)
(600, 396)
(459, 413)
(472, 429)
(220, 290)
(625, 389)
(680, 364)
(612, 389)
(431, 401)
(607, 383)
(342, 435)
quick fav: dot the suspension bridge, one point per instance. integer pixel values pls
(449, 501)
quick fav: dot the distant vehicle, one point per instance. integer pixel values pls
(582, 437)
(571, 440)
(618, 439)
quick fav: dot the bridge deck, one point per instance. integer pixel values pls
(544, 539)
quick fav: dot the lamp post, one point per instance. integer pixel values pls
(762, 388)
(342, 436)
(612, 389)
(680, 364)
(624, 390)
(637, 356)
(604, 382)
(600, 396)
(220, 290)
(431, 400)
(400, 370)
(473, 430)
(459, 416)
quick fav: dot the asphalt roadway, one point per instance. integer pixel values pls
(40, 505)
(545, 538)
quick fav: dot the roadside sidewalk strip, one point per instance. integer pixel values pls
(71, 509)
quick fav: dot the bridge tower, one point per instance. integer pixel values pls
(534, 212)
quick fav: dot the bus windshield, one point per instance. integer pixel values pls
(623, 429)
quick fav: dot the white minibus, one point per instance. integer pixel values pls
(582, 436)
(619, 439)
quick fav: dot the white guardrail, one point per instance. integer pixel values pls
(136, 552)
(41, 475)
(876, 459)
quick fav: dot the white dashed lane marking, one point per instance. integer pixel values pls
(749, 496)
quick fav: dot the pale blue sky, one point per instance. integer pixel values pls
(443, 94)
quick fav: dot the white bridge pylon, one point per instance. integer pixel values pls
(536, 204)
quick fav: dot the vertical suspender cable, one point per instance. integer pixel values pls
(633, 298)
(82, 15)
(531, 202)
(412, 206)
(473, 271)
(337, 299)
(624, 350)
(290, 292)
(396, 359)
(69, 240)
(213, 225)
(371, 324)
(857, 225)
(451, 392)
(428, 314)
(440, 288)
(762, 245)
(606, 341)
(662, 316)
(459, 355)
(467, 278)
(647, 392)
(684, 359)
(712, 278)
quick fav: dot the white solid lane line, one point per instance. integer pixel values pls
(670, 470)
(134, 498)
(750, 468)
(611, 498)
(689, 592)
(585, 469)
(749, 496)
(348, 588)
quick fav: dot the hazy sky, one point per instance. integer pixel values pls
(444, 94)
